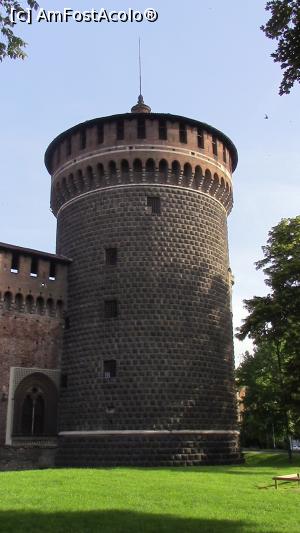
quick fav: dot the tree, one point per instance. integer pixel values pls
(274, 320)
(11, 45)
(284, 26)
(263, 416)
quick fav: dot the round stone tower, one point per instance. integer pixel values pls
(141, 201)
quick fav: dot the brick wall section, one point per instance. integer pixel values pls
(29, 339)
(26, 458)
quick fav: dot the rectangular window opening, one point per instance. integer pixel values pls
(64, 381)
(82, 139)
(15, 263)
(58, 155)
(224, 154)
(34, 267)
(110, 368)
(111, 256)
(69, 145)
(162, 130)
(141, 128)
(153, 202)
(200, 136)
(214, 145)
(52, 271)
(182, 133)
(100, 133)
(111, 308)
(120, 130)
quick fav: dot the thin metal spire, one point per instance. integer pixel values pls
(140, 66)
(140, 107)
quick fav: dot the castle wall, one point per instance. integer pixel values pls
(31, 317)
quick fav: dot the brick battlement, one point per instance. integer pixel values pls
(32, 281)
(152, 149)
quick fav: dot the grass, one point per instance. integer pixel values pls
(160, 500)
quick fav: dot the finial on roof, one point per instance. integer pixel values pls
(140, 107)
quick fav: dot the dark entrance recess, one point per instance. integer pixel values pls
(35, 407)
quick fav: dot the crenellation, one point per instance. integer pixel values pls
(62, 155)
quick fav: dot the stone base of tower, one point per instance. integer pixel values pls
(149, 448)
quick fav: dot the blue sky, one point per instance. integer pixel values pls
(202, 59)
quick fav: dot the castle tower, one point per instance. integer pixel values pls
(141, 201)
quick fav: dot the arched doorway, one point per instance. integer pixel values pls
(35, 407)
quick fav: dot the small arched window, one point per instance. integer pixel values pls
(72, 184)
(124, 168)
(7, 301)
(100, 172)
(19, 302)
(176, 169)
(187, 170)
(198, 172)
(112, 168)
(150, 167)
(215, 184)
(50, 307)
(65, 189)
(207, 180)
(137, 166)
(33, 413)
(80, 180)
(29, 303)
(90, 177)
(40, 305)
(198, 176)
(163, 168)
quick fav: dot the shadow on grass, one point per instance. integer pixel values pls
(275, 460)
(113, 521)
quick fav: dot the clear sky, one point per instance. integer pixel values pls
(202, 59)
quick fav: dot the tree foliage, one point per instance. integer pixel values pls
(10, 44)
(263, 421)
(284, 26)
(273, 321)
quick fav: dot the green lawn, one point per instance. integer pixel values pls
(168, 500)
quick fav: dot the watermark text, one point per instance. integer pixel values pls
(29, 16)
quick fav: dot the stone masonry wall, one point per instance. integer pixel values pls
(172, 338)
